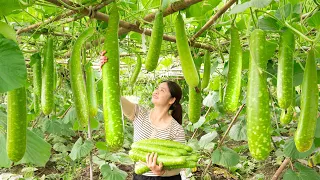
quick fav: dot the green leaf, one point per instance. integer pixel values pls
(5, 161)
(207, 138)
(7, 31)
(166, 62)
(214, 83)
(56, 127)
(245, 59)
(268, 24)
(13, 6)
(297, 74)
(102, 145)
(80, 149)
(201, 8)
(112, 173)
(304, 173)
(285, 11)
(314, 20)
(295, 1)
(290, 150)
(34, 58)
(240, 8)
(94, 125)
(194, 143)
(253, 3)
(38, 151)
(259, 3)
(199, 123)
(211, 99)
(272, 46)
(225, 157)
(13, 71)
(60, 147)
(238, 132)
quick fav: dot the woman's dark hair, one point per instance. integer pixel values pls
(176, 92)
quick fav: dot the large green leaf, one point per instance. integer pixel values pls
(238, 132)
(290, 150)
(13, 71)
(297, 74)
(57, 127)
(7, 31)
(268, 24)
(288, 10)
(314, 20)
(225, 156)
(207, 138)
(240, 8)
(80, 149)
(260, 4)
(38, 151)
(5, 161)
(253, 3)
(112, 173)
(272, 46)
(211, 99)
(303, 173)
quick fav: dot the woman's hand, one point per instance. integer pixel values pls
(151, 160)
(103, 59)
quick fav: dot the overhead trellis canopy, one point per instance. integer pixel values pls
(92, 11)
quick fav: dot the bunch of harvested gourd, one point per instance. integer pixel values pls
(172, 154)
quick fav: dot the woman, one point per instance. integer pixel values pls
(158, 123)
(163, 122)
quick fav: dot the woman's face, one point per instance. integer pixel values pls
(161, 95)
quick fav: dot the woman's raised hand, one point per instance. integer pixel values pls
(103, 58)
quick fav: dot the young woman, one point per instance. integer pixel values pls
(163, 121)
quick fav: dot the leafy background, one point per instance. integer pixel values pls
(58, 148)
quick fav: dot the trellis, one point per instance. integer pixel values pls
(126, 27)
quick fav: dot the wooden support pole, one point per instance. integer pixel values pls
(280, 169)
(59, 17)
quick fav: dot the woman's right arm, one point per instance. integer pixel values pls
(128, 108)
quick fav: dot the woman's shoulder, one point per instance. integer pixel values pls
(176, 125)
(141, 112)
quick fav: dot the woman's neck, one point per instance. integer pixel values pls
(160, 114)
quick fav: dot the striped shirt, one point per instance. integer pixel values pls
(144, 129)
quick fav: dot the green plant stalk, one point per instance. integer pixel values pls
(298, 32)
